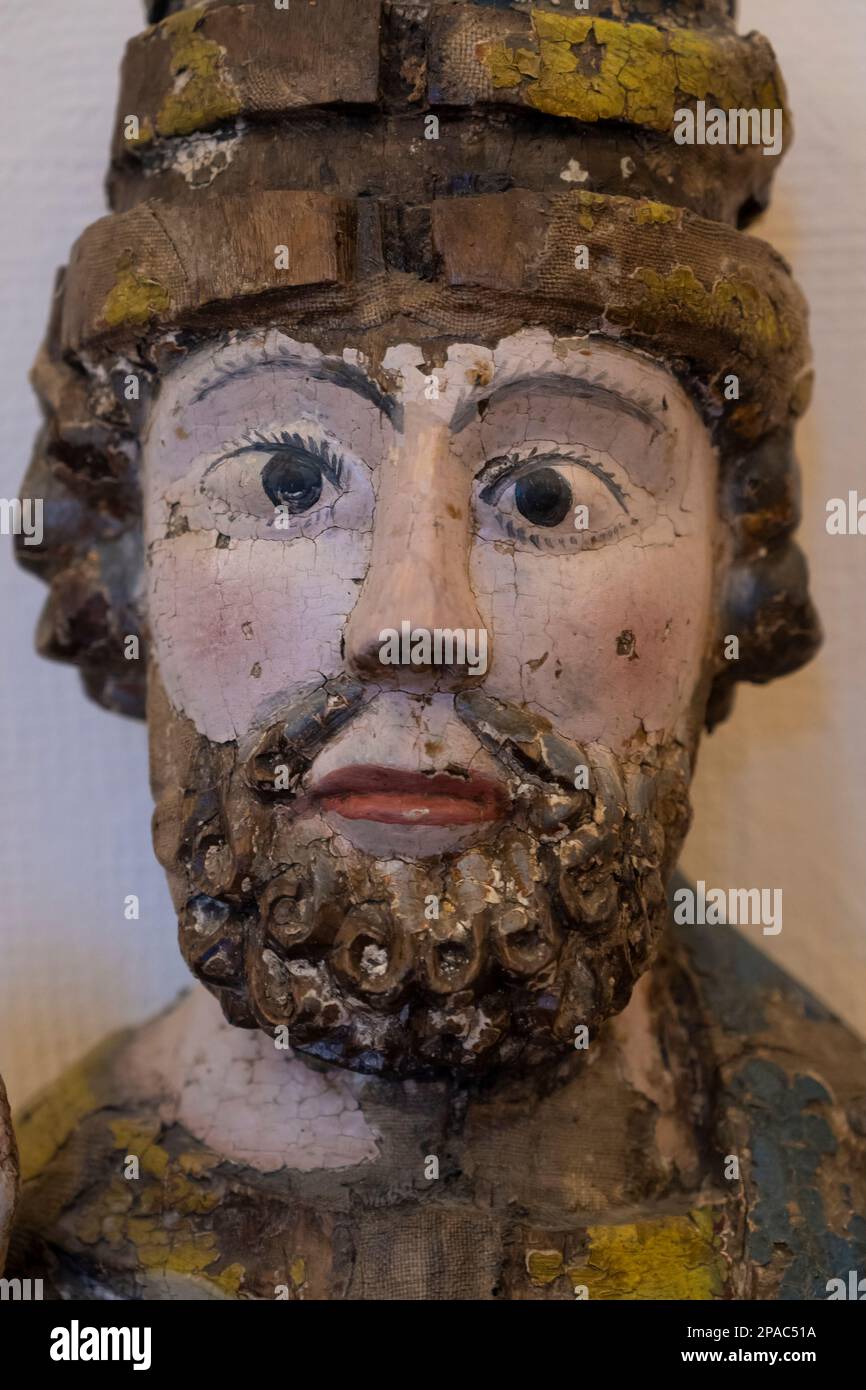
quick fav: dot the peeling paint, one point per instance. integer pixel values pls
(674, 1257)
(134, 298)
(203, 93)
(602, 70)
(732, 303)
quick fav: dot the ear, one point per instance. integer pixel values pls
(84, 473)
(766, 601)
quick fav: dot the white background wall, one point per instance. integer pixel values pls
(781, 791)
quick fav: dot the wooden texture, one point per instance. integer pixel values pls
(555, 1181)
(710, 14)
(694, 287)
(246, 94)
(209, 64)
(592, 68)
(611, 1177)
(681, 284)
(155, 263)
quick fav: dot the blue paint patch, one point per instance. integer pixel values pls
(789, 1136)
(737, 977)
(788, 1143)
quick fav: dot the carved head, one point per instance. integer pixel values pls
(418, 461)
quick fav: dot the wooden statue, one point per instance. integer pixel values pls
(418, 461)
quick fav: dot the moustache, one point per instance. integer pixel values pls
(556, 780)
(548, 927)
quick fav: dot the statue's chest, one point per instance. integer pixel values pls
(185, 1229)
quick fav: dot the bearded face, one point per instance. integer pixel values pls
(430, 633)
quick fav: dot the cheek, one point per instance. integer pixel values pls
(233, 627)
(602, 642)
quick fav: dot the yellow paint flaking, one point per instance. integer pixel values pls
(649, 213)
(555, 60)
(563, 28)
(675, 1258)
(544, 1266)
(193, 1163)
(501, 64)
(598, 69)
(203, 93)
(229, 1279)
(298, 1272)
(179, 1194)
(733, 303)
(105, 1217)
(134, 298)
(132, 1136)
(179, 1251)
(589, 201)
(155, 1214)
(527, 62)
(41, 1130)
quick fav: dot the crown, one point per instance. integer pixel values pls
(471, 147)
(475, 166)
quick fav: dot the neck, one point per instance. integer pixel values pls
(607, 1124)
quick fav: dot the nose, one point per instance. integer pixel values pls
(418, 579)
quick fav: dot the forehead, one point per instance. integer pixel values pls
(448, 381)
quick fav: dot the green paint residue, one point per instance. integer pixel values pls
(134, 298)
(545, 1266)
(42, 1130)
(648, 213)
(675, 1258)
(138, 1139)
(601, 70)
(589, 201)
(203, 93)
(158, 1213)
(733, 303)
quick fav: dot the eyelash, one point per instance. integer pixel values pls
(284, 441)
(507, 469)
(510, 467)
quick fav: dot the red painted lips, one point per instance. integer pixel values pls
(393, 797)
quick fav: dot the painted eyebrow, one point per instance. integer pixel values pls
(332, 370)
(575, 386)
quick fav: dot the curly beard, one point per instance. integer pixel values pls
(489, 956)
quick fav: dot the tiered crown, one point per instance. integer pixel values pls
(470, 167)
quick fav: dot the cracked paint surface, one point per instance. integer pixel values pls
(272, 1111)
(674, 1257)
(597, 70)
(203, 93)
(134, 297)
(312, 794)
(243, 613)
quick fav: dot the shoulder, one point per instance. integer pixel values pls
(791, 1109)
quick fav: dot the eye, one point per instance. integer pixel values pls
(544, 497)
(272, 477)
(554, 497)
(295, 483)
